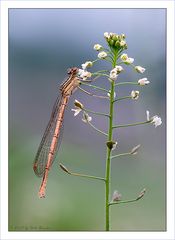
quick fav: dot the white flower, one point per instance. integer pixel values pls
(86, 64)
(86, 118)
(116, 196)
(97, 47)
(122, 43)
(76, 111)
(113, 74)
(84, 74)
(106, 35)
(79, 106)
(114, 145)
(109, 94)
(102, 55)
(119, 68)
(124, 57)
(143, 81)
(129, 60)
(111, 34)
(147, 116)
(135, 94)
(139, 69)
(156, 120)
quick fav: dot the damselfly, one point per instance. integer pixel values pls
(52, 135)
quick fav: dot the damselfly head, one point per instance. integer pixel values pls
(72, 70)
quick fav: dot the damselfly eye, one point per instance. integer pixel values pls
(72, 70)
(69, 70)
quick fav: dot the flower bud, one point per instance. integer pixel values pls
(115, 37)
(97, 47)
(123, 36)
(78, 104)
(106, 35)
(111, 42)
(122, 43)
(117, 44)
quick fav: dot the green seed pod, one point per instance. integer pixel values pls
(64, 168)
(78, 104)
(110, 144)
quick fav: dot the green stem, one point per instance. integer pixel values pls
(86, 176)
(121, 154)
(125, 83)
(79, 174)
(127, 201)
(119, 99)
(98, 130)
(100, 71)
(93, 86)
(91, 94)
(96, 113)
(108, 158)
(132, 124)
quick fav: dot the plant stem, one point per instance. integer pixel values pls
(108, 159)
(119, 99)
(86, 176)
(93, 86)
(79, 174)
(96, 113)
(132, 124)
(126, 83)
(127, 201)
(120, 155)
(98, 130)
(91, 94)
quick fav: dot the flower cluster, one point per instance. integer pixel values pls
(116, 41)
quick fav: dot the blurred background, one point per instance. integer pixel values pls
(43, 43)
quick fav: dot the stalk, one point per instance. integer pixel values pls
(108, 158)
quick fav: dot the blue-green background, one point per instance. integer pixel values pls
(43, 43)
